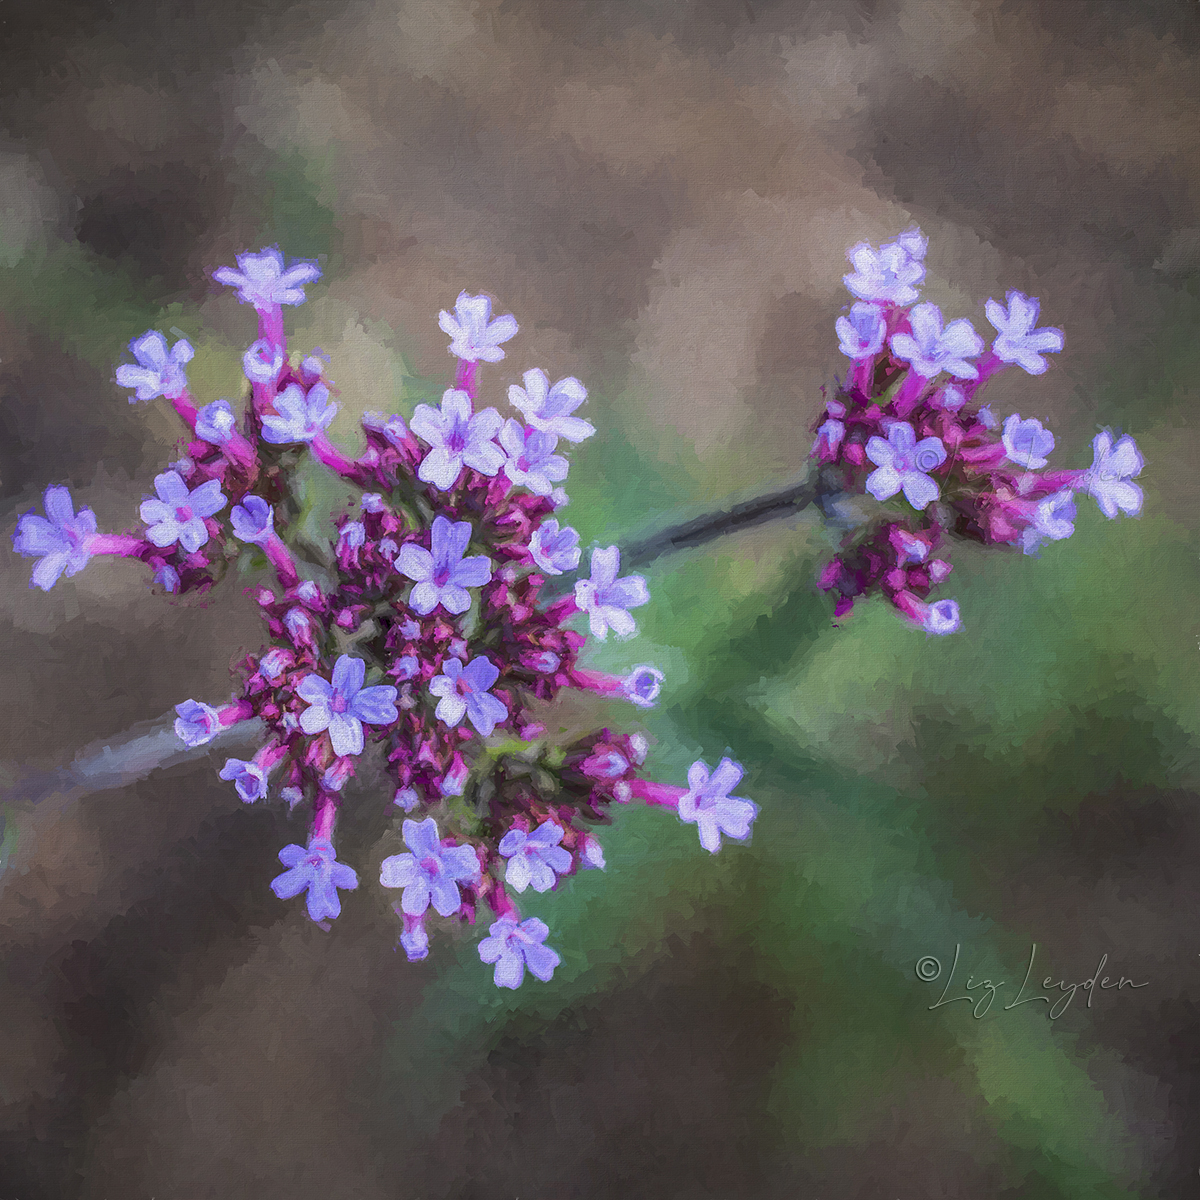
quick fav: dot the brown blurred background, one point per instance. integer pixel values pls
(663, 192)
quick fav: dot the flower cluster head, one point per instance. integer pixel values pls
(427, 633)
(906, 428)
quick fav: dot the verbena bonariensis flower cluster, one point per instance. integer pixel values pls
(425, 628)
(906, 428)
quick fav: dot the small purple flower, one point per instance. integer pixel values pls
(1107, 480)
(393, 427)
(708, 802)
(532, 462)
(167, 578)
(431, 873)
(930, 349)
(464, 692)
(474, 335)
(607, 599)
(548, 409)
(591, 854)
(262, 281)
(829, 438)
(889, 275)
(951, 398)
(159, 371)
(1027, 443)
(61, 539)
(414, 939)
(248, 777)
(406, 667)
(642, 685)
(344, 705)
(457, 438)
(275, 662)
(301, 415)
(443, 575)
(263, 361)
(216, 422)
(942, 618)
(253, 520)
(454, 782)
(514, 947)
(555, 550)
(534, 858)
(372, 502)
(353, 534)
(903, 463)
(178, 515)
(987, 418)
(316, 870)
(1017, 340)
(862, 333)
(197, 723)
(406, 798)
(299, 627)
(1053, 520)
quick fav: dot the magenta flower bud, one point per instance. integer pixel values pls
(336, 776)
(300, 628)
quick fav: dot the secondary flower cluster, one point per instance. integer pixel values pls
(427, 634)
(906, 428)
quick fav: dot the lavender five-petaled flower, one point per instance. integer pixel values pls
(159, 371)
(463, 692)
(197, 723)
(1017, 340)
(555, 550)
(457, 438)
(61, 539)
(443, 575)
(473, 334)
(861, 334)
(1027, 443)
(253, 520)
(431, 873)
(708, 802)
(263, 361)
(316, 870)
(930, 349)
(1107, 480)
(215, 422)
(642, 685)
(248, 778)
(607, 599)
(178, 515)
(903, 463)
(1053, 520)
(534, 858)
(301, 415)
(942, 618)
(514, 947)
(889, 275)
(262, 281)
(344, 705)
(549, 409)
(532, 462)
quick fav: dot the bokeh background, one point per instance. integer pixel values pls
(662, 191)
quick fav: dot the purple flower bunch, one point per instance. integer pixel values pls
(429, 634)
(907, 429)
